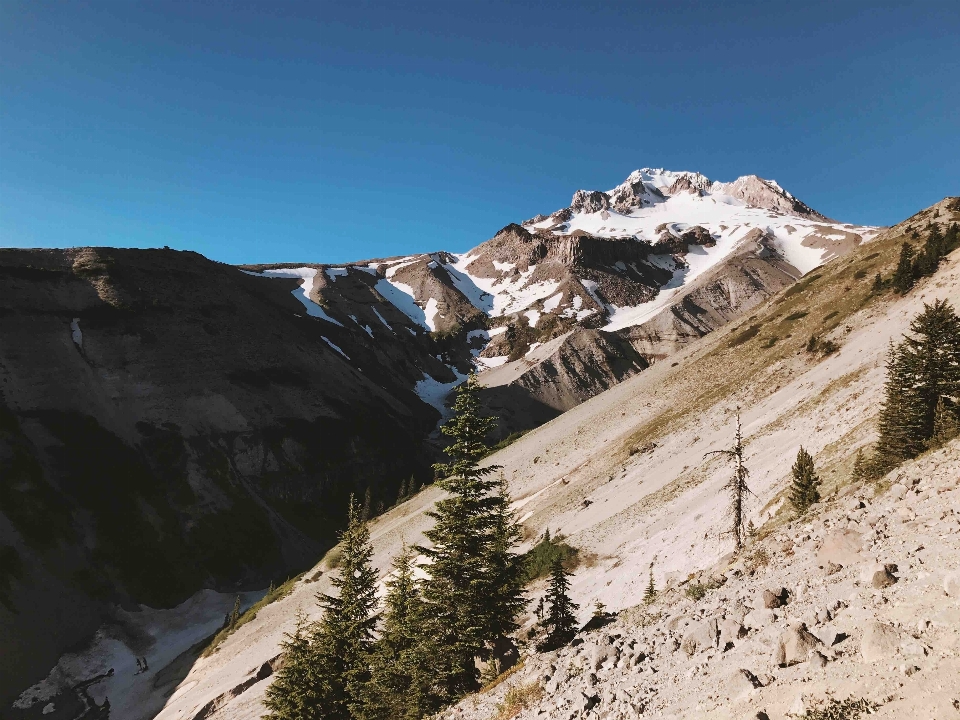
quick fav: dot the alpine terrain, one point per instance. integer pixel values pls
(178, 435)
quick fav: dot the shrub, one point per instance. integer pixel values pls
(748, 334)
(540, 558)
(697, 591)
(795, 316)
(518, 698)
(849, 709)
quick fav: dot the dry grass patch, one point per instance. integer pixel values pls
(518, 698)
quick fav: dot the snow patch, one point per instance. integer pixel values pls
(75, 333)
(302, 293)
(328, 342)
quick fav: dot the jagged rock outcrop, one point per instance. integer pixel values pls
(589, 201)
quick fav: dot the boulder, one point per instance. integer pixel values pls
(879, 576)
(897, 492)
(841, 547)
(700, 637)
(741, 682)
(756, 619)
(951, 584)
(879, 642)
(771, 599)
(601, 653)
(730, 631)
(795, 645)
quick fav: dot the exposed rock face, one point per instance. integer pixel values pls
(589, 201)
(556, 377)
(767, 194)
(746, 279)
(202, 433)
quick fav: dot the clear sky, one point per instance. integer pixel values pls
(332, 131)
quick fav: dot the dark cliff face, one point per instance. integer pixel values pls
(168, 423)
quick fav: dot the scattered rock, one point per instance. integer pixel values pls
(951, 584)
(775, 599)
(880, 576)
(840, 548)
(700, 637)
(879, 642)
(795, 645)
(759, 618)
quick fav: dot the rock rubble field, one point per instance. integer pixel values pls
(857, 600)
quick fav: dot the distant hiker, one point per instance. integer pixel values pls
(139, 666)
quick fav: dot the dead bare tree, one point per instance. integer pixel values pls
(737, 487)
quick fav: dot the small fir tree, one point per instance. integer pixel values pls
(805, 489)
(737, 486)
(235, 613)
(367, 499)
(397, 688)
(560, 621)
(650, 594)
(903, 276)
(877, 283)
(342, 640)
(289, 695)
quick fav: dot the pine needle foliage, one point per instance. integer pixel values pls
(560, 621)
(923, 374)
(736, 488)
(805, 488)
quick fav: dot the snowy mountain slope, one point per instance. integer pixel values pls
(662, 259)
(623, 476)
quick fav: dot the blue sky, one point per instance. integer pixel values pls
(335, 131)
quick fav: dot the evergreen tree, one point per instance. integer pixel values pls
(289, 695)
(946, 424)
(877, 283)
(737, 486)
(804, 491)
(402, 492)
(561, 620)
(468, 526)
(903, 276)
(343, 638)
(367, 498)
(504, 597)
(923, 371)
(235, 613)
(650, 594)
(397, 688)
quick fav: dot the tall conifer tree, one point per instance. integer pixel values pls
(469, 558)
(903, 276)
(923, 372)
